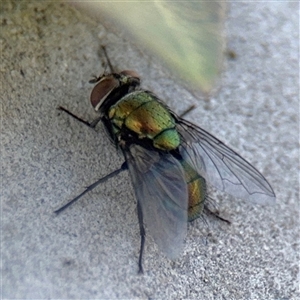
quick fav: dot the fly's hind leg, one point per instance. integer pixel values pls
(216, 215)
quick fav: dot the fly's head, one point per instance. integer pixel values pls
(110, 88)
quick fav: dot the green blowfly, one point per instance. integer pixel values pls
(170, 160)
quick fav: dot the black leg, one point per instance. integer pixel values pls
(142, 234)
(92, 186)
(92, 124)
(215, 214)
(187, 111)
(108, 60)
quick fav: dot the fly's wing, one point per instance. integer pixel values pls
(222, 167)
(160, 187)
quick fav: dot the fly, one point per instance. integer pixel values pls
(170, 161)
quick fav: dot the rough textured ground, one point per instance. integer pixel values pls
(49, 52)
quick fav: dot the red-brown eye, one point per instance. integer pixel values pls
(102, 90)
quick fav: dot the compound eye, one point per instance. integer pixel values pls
(131, 73)
(102, 89)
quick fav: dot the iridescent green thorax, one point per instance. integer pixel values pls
(144, 115)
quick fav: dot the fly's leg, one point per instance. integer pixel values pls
(142, 234)
(92, 186)
(95, 79)
(92, 124)
(216, 215)
(192, 107)
(108, 60)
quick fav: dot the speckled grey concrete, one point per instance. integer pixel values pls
(90, 251)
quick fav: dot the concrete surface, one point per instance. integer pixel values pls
(49, 52)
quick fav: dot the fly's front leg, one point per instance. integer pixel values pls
(91, 125)
(108, 60)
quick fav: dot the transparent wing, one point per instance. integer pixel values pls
(222, 167)
(160, 187)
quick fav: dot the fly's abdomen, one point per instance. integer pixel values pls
(141, 113)
(196, 190)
